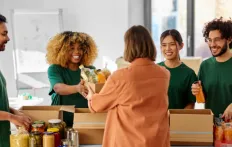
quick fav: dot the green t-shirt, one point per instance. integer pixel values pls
(179, 91)
(58, 74)
(216, 79)
(4, 106)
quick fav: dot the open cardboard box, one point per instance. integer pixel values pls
(96, 87)
(46, 112)
(191, 127)
(89, 125)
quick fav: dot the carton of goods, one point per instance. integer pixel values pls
(191, 127)
(89, 125)
(222, 132)
(46, 113)
(95, 78)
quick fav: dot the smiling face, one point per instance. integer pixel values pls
(218, 46)
(76, 53)
(170, 48)
(3, 36)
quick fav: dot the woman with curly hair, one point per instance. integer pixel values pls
(65, 53)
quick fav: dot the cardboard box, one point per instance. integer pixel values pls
(96, 87)
(89, 125)
(46, 112)
(191, 127)
(192, 62)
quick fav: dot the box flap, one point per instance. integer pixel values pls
(68, 108)
(96, 87)
(84, 115)
(82, 110)
(50, 108)
(46, 112)
(55, 108)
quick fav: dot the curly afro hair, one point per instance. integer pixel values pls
(59, 46)
(224, 26)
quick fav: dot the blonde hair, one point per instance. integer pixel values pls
(58, 48)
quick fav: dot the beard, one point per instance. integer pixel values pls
(2, 46)
(223, 50)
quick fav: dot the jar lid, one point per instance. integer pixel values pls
(48, 133)
(39, 122)
(54, 121)
(54, 130)
(37, 125)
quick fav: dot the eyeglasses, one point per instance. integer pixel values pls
(215, 40)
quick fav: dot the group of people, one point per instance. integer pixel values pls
(137, 98)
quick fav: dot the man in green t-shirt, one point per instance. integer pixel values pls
(215, 73)
(7, 114)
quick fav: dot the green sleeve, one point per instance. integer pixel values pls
(54, 76)
(192, 79)
(200, 72)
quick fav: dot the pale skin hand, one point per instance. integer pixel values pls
(196, 88)
(89, 94)
(16, 117)
(20, 120)
(20, 117)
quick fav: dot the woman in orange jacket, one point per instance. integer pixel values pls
(135, 97)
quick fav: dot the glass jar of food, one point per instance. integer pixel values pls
(37, 128)
(56, 133)
(19, 139)
(48, 139)
(68, 133)
(57, 123)
(40, 122)
(35, 139)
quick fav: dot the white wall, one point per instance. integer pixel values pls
(135, 12)
(105, 20)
